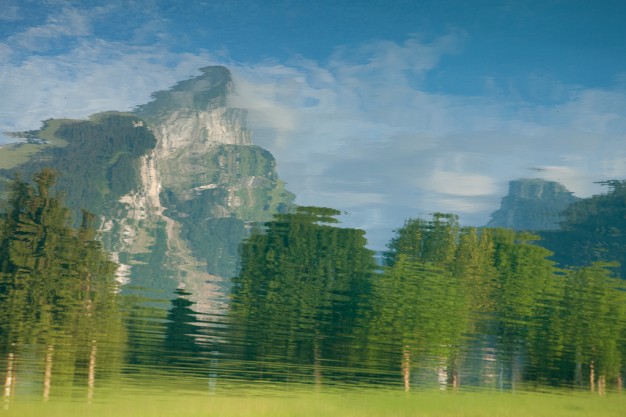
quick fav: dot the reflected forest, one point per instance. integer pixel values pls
(444, 306)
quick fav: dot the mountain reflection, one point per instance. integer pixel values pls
(452, 306)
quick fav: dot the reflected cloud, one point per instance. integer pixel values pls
(93, 77)
(10, 13)
(359, 128)
(373, 127)
(461, 183)
(576, 179)
(68, 22)
(461, 205)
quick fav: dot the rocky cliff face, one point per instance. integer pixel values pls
(200, 188)
(532, 204)
(188, 198)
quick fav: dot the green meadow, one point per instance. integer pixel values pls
(439, 404)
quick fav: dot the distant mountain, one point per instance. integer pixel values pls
(177, 184)
(532, 204)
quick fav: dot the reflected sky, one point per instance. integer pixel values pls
(385, 110)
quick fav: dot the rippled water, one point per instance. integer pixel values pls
(452, 308)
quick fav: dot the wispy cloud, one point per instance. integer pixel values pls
(360, 131)
(364, 125)
(69, 22)
(95, 76)
(10, 12)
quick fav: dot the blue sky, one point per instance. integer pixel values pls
(384, 109)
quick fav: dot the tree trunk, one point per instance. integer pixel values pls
(9, 380)
(406, 368)
(620, 383)
(91, 376)
(592, 377)
(47, 378)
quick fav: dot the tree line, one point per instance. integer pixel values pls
(449, 305)
(58, 301)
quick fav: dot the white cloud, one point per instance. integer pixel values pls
(364, 122)
(69, 22)
(95, 76)
(461, 205)
(359, 132)
(616, 167)
(399, 61)
(575, 179)
(593, 110)
(5, 53)
(461, 184)
(10, 13)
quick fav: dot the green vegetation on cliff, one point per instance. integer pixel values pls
(243, 189)
(97, 162)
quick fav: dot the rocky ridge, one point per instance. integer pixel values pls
(178, 210)
(202, 172)
(532, 204)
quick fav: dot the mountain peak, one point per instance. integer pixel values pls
(177, 185)
(532, 204)
(201, 93)
(535, 188)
